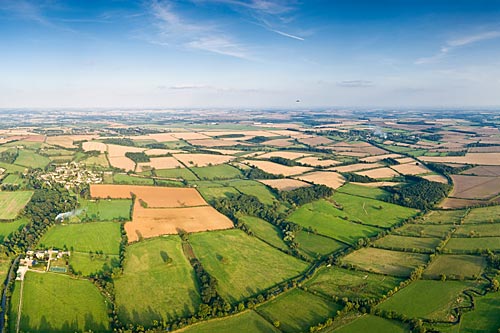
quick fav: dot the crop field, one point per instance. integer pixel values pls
(106, 209)
(14, 179)
(363, 191)
(356, 167)
(478, 230)
(436, 178)
(485, 316)
(158, 282)
(483, 215)
(12, 168)
(7, 228)
(379, 173)
(159, 163)
(80, 306)
(326, 220)
(94, 145)
(245, 322)
(483, 170)
(202, 160)
(475, 187)
(291, 155)
(122, 162)
(327, 178)
(177, 173)
(316, 245)
(457, 203)
(265, 231)
(122, 178)
(373, 324)
(278, 169)
(427, 299)
(302, 317)
(469, 158)
(454, 266)
(460, 245)
(443, 217)
(385, 261)
(84, 237)
(339, 282)
(410, 168)
(284, 184)
(31, 159)
(407, 243)
(222, 171)
(372, 212)
(243, 265)
(422, 230)
(318, 162)
(12, 203)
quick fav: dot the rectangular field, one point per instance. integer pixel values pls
(385, 262)
(456, 266)
(29, 158)
(483, 215)
(222, 171)
(315, 245)
(278, 169)
(475, 187)
(7, 228)
(12, 203)
(373, 324)
(364, 191)
(106, 209)
(422, 230)
(327, 178)
(478, 230)
(243, 265)
(177, 173)
(443, 217)
(460, 245)
(394, 242)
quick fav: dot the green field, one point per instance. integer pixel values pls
(99, 160)
(5, 264)
(11, 203)
(243, 265)
(364, 191)
(372, 212)
(373, 324)
(421, 230)
(222, 171)
(12, 168)
(454, 266)
(485, 316)
(183, 173)
(385, 261)
(31, 159)
(443, 217)
(245, 322)
(407, 243)
(484, 214)
(57, 303)
(212, 193)
(427, 299)
(478, 230)
(308, 310)
(316, 245)
(6, 228)
(340, 282)
(265, 231)
(459, 245)
(14, 179)
(151, 287)
(106, 209)
(84, 237)
(322, 216)
(257, 190)
(86, 264)
(122, 178)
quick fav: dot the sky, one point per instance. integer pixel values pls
(249, 53)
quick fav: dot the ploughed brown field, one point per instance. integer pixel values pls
(284, 184)
(475, 187)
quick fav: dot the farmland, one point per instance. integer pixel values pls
(454, 266)
(106, 209)
(372, 324)
(460, 245)
(407, 243)
(12, 203)
(246, 322)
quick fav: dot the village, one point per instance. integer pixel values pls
(70, 174)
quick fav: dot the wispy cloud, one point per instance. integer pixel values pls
(355, 84)
(453, 44)
(25, 10)
(273, 7)
(174, 29)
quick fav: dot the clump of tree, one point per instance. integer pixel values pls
(447, 169)
(303, 195)
(417, 193)
(139, 157)
(354, 177)
(390, 161)
(283, 161)
(257, 173)
(257, 139)
(8, 156)
(120, 141)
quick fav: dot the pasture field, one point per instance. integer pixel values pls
(323, 217)
(427, 299)
(80, 306)
(243, 265)
(317, 310)
(363, 191)
(31, 159)
(14, 179)
(123, 178)
(6, 228)
(459, 245)
(257, 190)
(372, 212)
(4, 268)
(407, 243)
(211, 193)
(106, 209)
(373, 324)
(327, 178)
(483, 215)
(245, 322)
(443, 217)
(177, 173)
(474, 187)
(291, 155)
(284, 184)
(12, 203)
(385, 262)
(100, 160)
(478, 230)
(317, 245)
(422, 230)
(12, 168)
(86, 265)
(454, 266)
(222, 171)
(265, 231)
(339, 282)
(84, 237)
(153, 287)
(485, 316)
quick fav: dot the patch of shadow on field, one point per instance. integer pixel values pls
(45, 326)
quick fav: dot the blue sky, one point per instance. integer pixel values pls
(252, 53)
